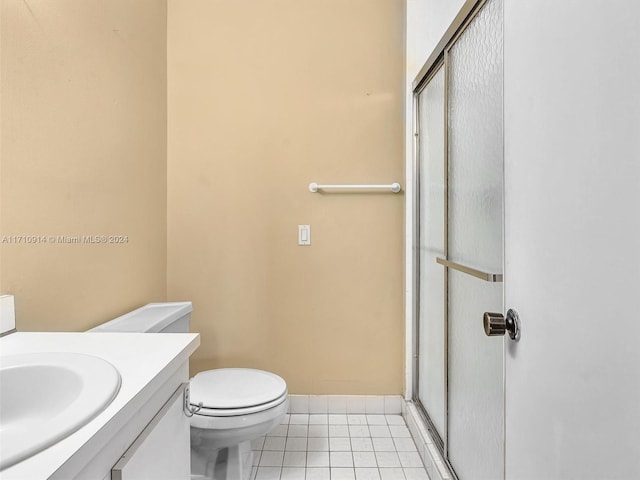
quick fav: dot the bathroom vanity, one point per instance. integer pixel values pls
(142, 433)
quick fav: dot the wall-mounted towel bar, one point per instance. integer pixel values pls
(394, 187)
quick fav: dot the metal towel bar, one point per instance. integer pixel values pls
(394, 187)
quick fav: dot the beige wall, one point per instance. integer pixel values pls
(83, 152)
(264, 98)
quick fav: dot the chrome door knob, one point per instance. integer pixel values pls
(496, 324)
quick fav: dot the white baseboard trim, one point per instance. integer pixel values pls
(433, 461)
(346, 404)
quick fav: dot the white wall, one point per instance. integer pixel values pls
(572, 175)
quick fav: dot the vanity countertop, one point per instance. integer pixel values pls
(145, 362)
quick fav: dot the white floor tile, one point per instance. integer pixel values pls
(405, 444)
(317, 459)
(271, 459)
(340, 459)
(296, 444)
(338, 431)
(318, 474)
(415, 474)
(337, 419)
(365, 459)
(377, 430)
(359, 431)
(376, 420)
(268, 473)
(299, 419)
(318, 444)
(392, 474)
(383, 445)
(395, 420)
(387, 459)
(357, 419)
(342, 474)
(367, 474)
(361, 444)
(399, 431)
(318, 419)
(340, 444)
(295, 459)
(410, 459)
(298, 430)
(318, 430)
(293, 473)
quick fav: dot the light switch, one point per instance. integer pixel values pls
(304, 234)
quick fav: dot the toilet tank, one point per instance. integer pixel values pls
(169, 317)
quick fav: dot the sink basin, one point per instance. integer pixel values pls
(44, 397)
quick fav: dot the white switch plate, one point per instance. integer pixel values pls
(304, 234)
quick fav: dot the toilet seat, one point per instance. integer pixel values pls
(229, 392)
(234, 412)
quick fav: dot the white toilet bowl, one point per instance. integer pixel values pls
(236, 405)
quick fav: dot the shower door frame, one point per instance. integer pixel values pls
(439, 58)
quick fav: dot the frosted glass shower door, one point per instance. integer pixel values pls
(459, 161)
(431, 383)
(475, 239)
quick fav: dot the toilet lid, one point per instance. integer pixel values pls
(235, 388)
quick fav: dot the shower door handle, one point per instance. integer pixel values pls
(487, 277)
(495, 324)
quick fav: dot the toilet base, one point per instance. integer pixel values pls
(230, 463)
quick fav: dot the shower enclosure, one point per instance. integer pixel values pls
(459, 371)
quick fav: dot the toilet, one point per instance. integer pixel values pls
(231, 406)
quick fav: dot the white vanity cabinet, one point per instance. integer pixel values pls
(143, 433)
(161, 451)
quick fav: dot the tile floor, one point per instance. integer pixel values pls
(338, 447)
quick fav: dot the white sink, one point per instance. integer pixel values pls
(45, 397)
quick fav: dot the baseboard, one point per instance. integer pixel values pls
(346, 404)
